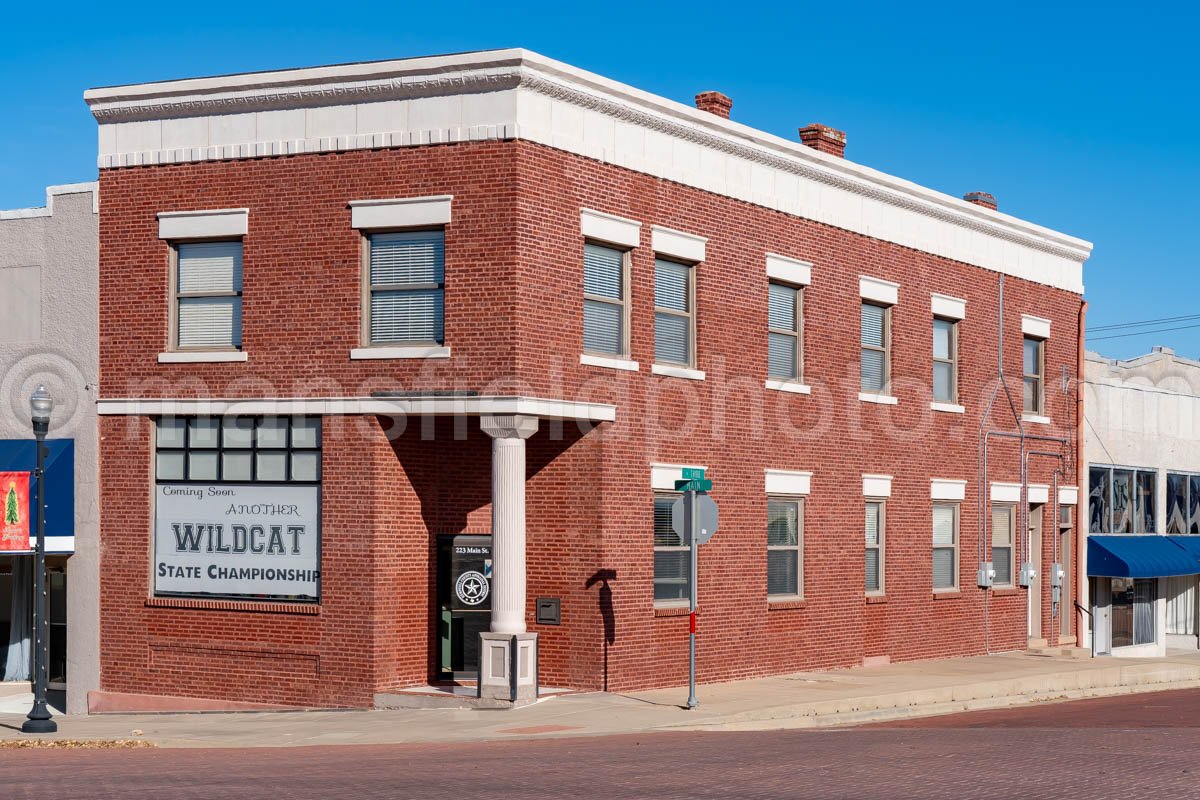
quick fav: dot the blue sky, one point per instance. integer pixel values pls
(1079, 117)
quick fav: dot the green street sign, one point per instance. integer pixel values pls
(693, 486)
(692, 474)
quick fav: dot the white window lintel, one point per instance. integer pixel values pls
(877, 485)
(947, 489)
(609, 228)
(1035, 326)
(785, 481)
(210, 224)
(878, 290)
(789, 270)
(663, 476)
(404, 212)
(677, 244)
(943, 305)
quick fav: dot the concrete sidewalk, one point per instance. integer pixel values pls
(800, 700)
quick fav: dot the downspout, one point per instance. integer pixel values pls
(1081, 581)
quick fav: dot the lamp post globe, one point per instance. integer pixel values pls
(39, 718)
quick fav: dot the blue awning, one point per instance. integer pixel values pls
(1145, 556)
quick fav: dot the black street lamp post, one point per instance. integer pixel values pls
(39, 721)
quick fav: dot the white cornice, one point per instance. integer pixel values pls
(522, 74)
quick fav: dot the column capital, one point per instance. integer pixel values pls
(508, 426)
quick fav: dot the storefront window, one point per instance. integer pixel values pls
(237, 508)
(1133, 611)
(1183, 503)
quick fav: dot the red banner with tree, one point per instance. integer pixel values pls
(14, 511)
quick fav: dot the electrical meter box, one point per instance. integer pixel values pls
(1028, 574)
(1056, 575)
(985, 575)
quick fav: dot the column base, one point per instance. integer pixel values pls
(508, 667)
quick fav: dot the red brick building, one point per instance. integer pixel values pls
(343, 308)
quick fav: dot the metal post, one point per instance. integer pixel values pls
(690, 505)
(38, 720)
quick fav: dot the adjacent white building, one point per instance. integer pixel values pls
(1142, 447)
(49, 335)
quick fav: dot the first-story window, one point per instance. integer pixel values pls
(672, 555)
(206, 283)
(1133, 611)
(875, 547)
(785, 543)
(1003, 529)
(404, 288)
(237, 508)
(605, 300)
(945, 546)
(1123, 500)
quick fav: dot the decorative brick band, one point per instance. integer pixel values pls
(253, 606)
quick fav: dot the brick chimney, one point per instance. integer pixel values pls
(825, 139)
(714, 103)
(981, 199)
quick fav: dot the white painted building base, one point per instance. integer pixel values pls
(508, 667)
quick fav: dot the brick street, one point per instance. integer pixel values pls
(1104, 747)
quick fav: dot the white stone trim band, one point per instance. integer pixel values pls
(878, 290)
(677, 244)
(947, 489)
(784, 481)
(386, 406)
(943, 305)
(1005, 492)
(663, 476)
(609, 228)
(877, 485)
(408, 212)
(1035, 326)
(222, 222)
(789, 270)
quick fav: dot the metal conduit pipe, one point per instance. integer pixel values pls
(1054, 505)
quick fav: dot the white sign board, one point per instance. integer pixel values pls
(237, 540)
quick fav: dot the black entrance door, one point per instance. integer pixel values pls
(464, 588)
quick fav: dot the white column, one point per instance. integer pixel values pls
(508, 433)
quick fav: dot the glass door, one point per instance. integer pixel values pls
(464, 588)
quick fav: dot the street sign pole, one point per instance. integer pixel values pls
(690, 503)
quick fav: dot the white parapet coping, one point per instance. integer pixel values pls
(518, 94)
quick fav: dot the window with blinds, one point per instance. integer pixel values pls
(1003, 523)
(945, 546)
(674, 322)
(874, 547)
(874, 338)
(672, 555)
(945, 360)
(785, 561)
(605, 302)
(406, 287)
(784, 320)
(1032, 369)
(208, 296)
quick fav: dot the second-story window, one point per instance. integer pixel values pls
(945, 360)
(605, 300)
(674, 318)
(404, 288)
(784, 338)
(1032, 372)
(875, 346)
(207, 287)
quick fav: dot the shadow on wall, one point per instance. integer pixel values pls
(605, 598)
